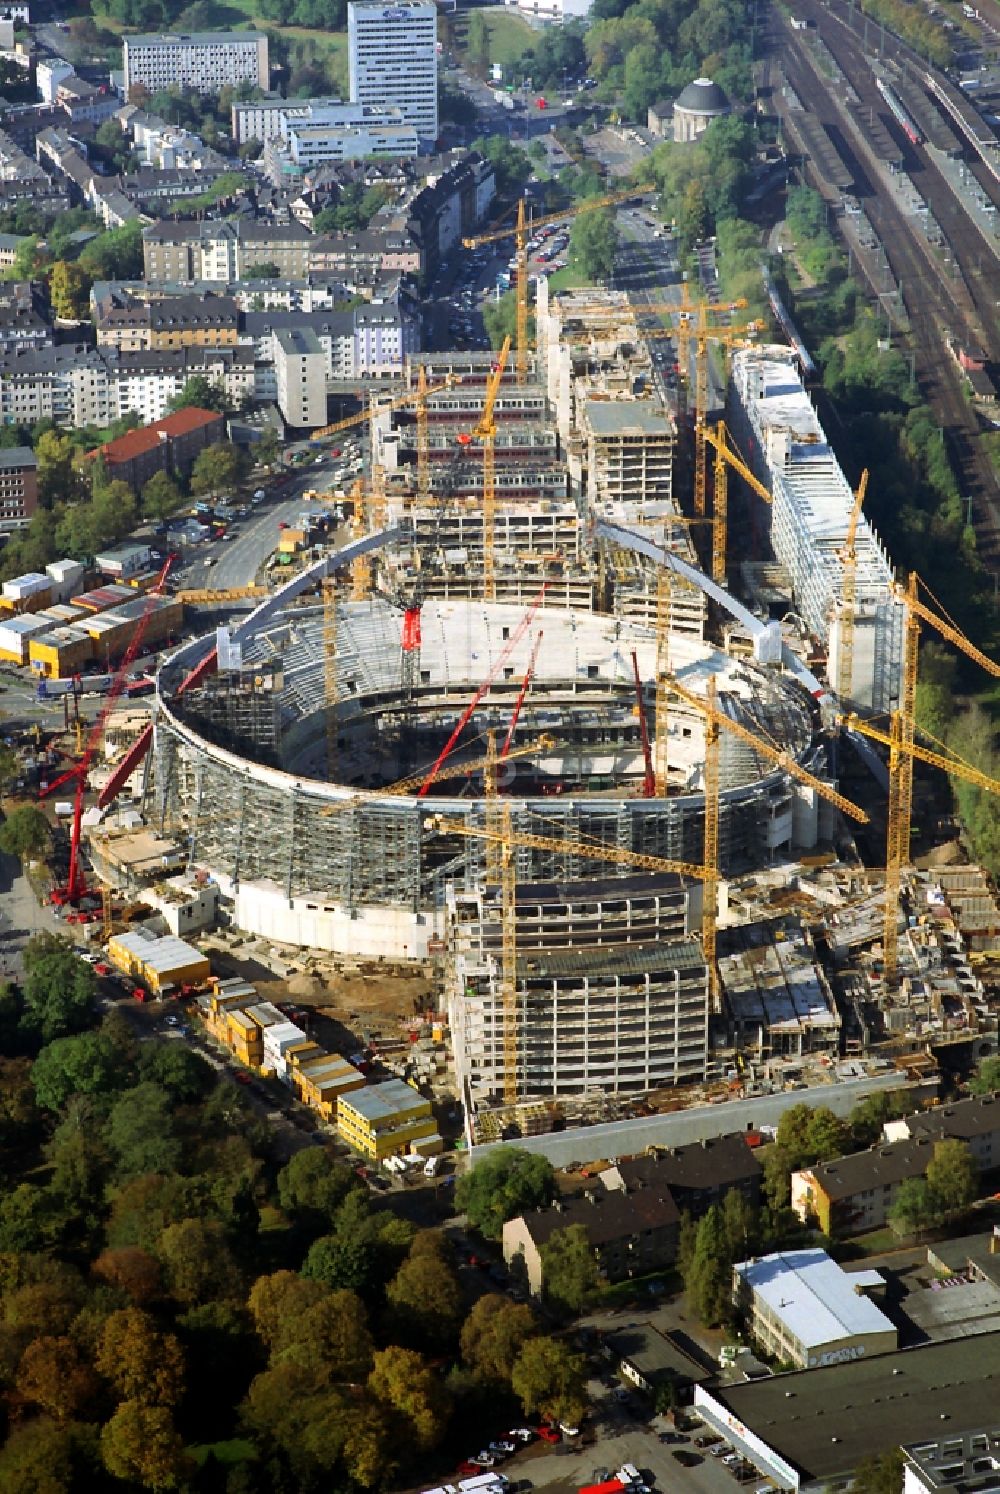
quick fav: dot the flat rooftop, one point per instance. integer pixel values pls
(824, 1421)
(818, 1302)
(628, 417)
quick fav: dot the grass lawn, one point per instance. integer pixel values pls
(235, 1450)
(876, 1242)
(567, 279)
(510, 37)
(637, 1291)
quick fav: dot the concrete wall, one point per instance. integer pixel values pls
(626, 1138)
(368, 932)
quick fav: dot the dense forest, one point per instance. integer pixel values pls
(182, 1308)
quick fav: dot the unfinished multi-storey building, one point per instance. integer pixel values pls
(774, 423)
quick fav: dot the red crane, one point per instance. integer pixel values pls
(649, 778)
(519, 702)
(483, 689)
(76, 884)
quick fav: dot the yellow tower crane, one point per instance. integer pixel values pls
(777, 755)
(449, 770)
(423, 438)
(507, 839)
(725, 456)
(486, 432)
(521, 230)
(902, 728)
(848, 595)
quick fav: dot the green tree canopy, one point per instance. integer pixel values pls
(593, 243)
(89, 1064)
(201, 393)
(494, 1334)
(986, 1079)
(953, 1177)
(25, 833)
(506, 1183)
(569, 1270)
(59, 989)
(216, 468)
(550, 1378)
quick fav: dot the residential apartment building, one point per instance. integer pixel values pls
(856, 1193)
(224, 251)
(169, 323)
(18, 488)
(365, 340)
(77, 385)
(168, 445)
(205, 61)
(698, 1175)
(300, 373)
(392, 59)
(629, 1234)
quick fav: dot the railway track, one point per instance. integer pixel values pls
(932, 312)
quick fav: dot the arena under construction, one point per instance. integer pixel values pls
(334, 770)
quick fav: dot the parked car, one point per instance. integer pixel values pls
(549, 1434)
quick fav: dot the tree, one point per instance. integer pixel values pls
(86, 1065)
(593, 243)
(549, 1378)
(130, 1270)
(870, 1115)
(277, 1302)
(333, 1340)
(55, 1377)
(880, 1475)
(312, 1186)
(709, 1282)
(693, 220)
(202, 394)
(953, 1177)
(215, 469)
(914, 1208)
(160, 497)
(986, 1079)
(115, 255)
(19, 1117)
(425, 1296)
(267, 450)
(184, 1074)
(59, 993)
(506, 1183)
(511, 164)
(500, 319)
(141, 1444)
(827, 1135)
(339, 1262)
(141, 1363)
(402, 1379)
(792, 1134)
(493, 1335)
(778, 1168)
(141, 1133)
(44, 1456)
(69, 288)
(569, 1270)
(25, 834)
(197, 1261)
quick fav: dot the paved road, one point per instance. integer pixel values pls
(20, 917)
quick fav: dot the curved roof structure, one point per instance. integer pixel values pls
(703, 96)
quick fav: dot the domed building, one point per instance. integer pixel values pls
(699, 103)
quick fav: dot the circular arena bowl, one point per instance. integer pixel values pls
(299, 773)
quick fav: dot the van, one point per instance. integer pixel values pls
(628, 1473)
(431, 1167)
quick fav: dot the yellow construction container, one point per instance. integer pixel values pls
(388, 1120)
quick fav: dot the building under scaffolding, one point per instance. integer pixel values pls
(775, 426)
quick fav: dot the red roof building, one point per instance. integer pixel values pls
(168, 445)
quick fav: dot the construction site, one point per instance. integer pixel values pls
(536, 732)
